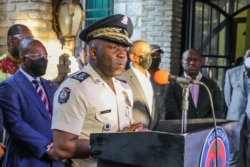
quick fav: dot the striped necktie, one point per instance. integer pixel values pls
(41, 94)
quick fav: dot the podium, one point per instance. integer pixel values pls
(163, 147)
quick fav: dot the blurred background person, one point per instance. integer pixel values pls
(156, 53)
(82, 56)
(237, 99)
(10, 61)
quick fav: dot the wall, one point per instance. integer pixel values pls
(158, 22)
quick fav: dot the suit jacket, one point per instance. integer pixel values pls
(172, 101)
(26, 121)
(235, 94)
(141, 110)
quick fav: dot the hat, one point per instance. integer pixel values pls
(155, 48)
(116, 28)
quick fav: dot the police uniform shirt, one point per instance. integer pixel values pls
(85, 104)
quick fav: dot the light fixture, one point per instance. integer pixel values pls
(67, 21)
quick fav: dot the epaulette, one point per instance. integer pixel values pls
(122, 80)
(80, 76)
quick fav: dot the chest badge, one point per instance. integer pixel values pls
(107, 127)
(127, 101)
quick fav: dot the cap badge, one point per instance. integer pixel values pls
(124, 20)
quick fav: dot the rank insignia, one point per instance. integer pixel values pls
(80, 76)
(107, 127)
(64, 95)
(127, 101)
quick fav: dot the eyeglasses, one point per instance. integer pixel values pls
(22, 36)
(36, 56)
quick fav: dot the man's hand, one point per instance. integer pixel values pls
(51, 152)
(2, 147)
(137, 127)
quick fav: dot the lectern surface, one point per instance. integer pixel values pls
(161, 148)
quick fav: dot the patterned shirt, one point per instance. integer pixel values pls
(8, 65)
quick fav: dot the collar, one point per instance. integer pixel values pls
(137, 72)
(29, 77)
(198, 77)
(93, 74)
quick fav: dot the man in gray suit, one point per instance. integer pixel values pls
(146, 92)
(236, 92)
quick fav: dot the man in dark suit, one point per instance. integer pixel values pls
(199, 103)
(146, 92)
(27, 117)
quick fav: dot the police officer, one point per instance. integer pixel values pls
(93, 100)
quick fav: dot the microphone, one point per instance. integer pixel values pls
(164, 77)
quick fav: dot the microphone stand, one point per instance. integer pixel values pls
(185, 94)
(214, 121)
(184, 83)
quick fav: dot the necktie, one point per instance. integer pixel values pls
(41, 94)
(194, 90)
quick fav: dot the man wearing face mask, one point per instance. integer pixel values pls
(237, 99)
(26, 102)
(146, 92)
(156, 52)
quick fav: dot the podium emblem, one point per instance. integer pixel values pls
(215, 150)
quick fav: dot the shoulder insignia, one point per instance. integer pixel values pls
(64, 95)
(122, 80)
(81, 76)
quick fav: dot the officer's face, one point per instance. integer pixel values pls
(108, 57)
